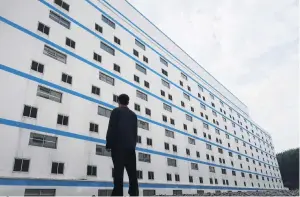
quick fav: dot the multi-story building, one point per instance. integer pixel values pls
(62, 65)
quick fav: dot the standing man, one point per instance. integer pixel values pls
(121, 139)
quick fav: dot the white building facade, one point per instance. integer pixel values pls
(62, 65)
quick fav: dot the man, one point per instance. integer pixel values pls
(121, 139)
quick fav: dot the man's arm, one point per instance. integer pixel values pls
(113, 120)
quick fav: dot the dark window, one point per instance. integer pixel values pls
(94, 127)
(39, 192)
(98, 28)
(145, 59)
(30, 111)
(177, 177)
(136, 78)
(137, 107)
(117, 40)
(172, 121)
(187, 151)
(66, 78)
(117, 68)
(37, 67)
(62, 4)
(146, 84)
(198, 154)
(70, 43)
(43, 28)
(115, 98)
(170, 97)
(162, 93)
(174, 148)
(135, 52)
(95, 90)
(97, 57)
(189, 88)
(45, 141)
(201, 179)
(62, 120)
(149, 142)
(57, 168)
(190, 179)
(167, 146)
(151, 175)
(164, 118)
(169, 177)
(148, 111)
(181, 83)
(164, 72)
(91, 170)
(21, 165)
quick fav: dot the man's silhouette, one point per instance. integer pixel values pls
(121, 138)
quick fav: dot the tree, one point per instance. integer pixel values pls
(289, 167)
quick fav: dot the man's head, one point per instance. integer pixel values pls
(123, 100)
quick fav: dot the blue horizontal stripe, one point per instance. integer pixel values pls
(173, 56)
(131, 57)
(41, 81)
(109, 184)
(100, 68)
(31, 127)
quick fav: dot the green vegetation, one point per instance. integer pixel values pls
(289, 167)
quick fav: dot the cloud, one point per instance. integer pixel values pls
(250, 46)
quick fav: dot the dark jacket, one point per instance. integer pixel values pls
(122, 129)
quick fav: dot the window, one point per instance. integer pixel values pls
(195, 130)
(214, 113)
(143, 125)
(94, 127)
(21, 165)
(233, 173)
(55, 54)
(163, 61)
(149, 192)
(49, 94)
(137, 107)
(97, 57)
(101, 150)
(46, 141)
(91, 170)
(146, 84)
(203, 106)
(167, 146)
(62, 4)
(106, 78)
(177, 177)
(57, 168)
(217, 131)
(104, 112)
(145, 157)
(164, 83)
(181, 83)
(164, 72)
(169, 133)
(167, 107)
(148, 111)
(186, 96)
(95, 90)
(188, 151)
(104, 192)
(135, 52)
(39, 192)
(230, 154)
(140, 44)
(182, 104)
(183, 76)
(223, 171)
(107, 48)
(172, 121)
(170, 97)
(188, 117)
(108, 21)
(171, 162)
(117, 68)
(208, 146)
(141, 95)
(62, 120)
(205, 126)
(162, 93)
(191, 141)
(70, 43)
(198, 154)
(139, 139)
(220, 150)
(66, 78)
(194, 166)
(190, 179)
(136, 78)
(117, 40)
(212, 169)
(169, 177)
(30, 111)
(141, 69)
(184, 126)
(149, 142)
(43, 28)
(174, 148)
(37, 67)
(59, 19)
(98, 28)
(145, 59)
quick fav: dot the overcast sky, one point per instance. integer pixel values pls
(250, 46)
